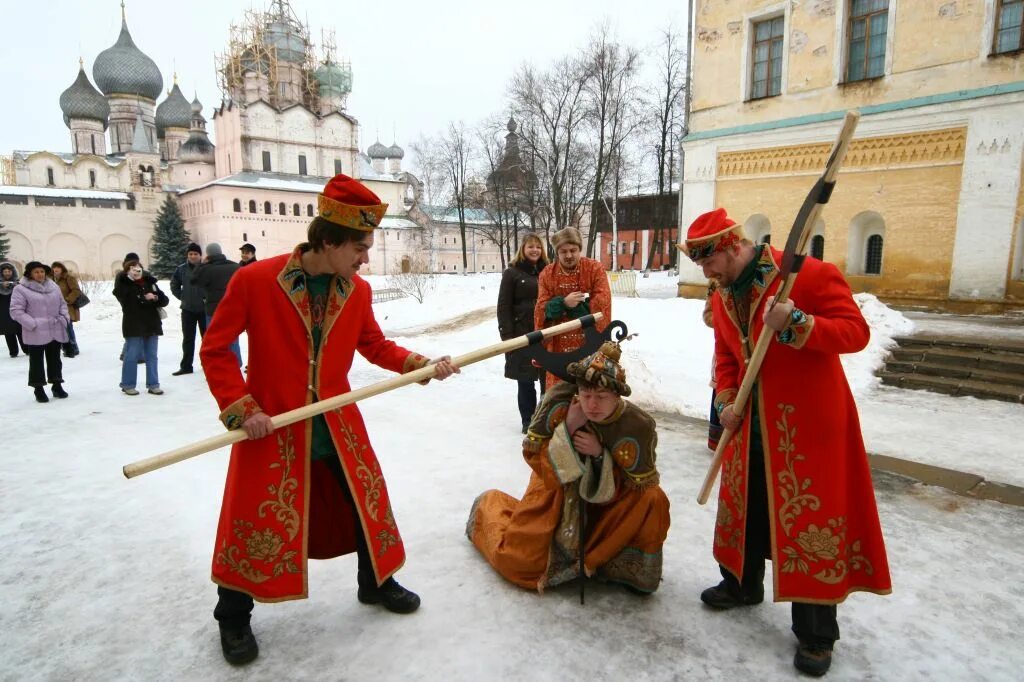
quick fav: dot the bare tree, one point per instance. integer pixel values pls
(428, 161)
(612, 97)
(668, 118)
(413, 279)
(456, 151)
(552, 106)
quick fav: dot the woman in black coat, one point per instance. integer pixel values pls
(141, 303)
(516, 300)
(9, 328)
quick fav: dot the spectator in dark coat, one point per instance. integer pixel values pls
(193, 312)
(10, 329)
(38, 306)
(213, 276)
(141, 302)
(517, 298)
(248, 255)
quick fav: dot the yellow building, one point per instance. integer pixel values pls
(929, 209)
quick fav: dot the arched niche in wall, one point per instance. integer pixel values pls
(863, 227)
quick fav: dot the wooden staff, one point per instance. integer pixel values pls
(144, 466)
(792, 260)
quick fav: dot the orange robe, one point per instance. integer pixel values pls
(826, 538)
(554, 282)
(280, 508)
(534, 542)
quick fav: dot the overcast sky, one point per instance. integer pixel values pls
(416, 65)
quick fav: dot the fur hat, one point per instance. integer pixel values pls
(710, 233)
(602, 369)
(194, 248)
(567, 235)
(32, 265)
(349, 203)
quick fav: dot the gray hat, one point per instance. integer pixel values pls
(214, 249)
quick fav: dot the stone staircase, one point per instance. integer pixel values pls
(956, 366)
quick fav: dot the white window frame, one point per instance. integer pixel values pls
(842, 54)
(772, 11)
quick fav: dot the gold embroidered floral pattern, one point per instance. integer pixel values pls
(729, 527)
(264, 544)
(371, 479)
(283, 503)
(825, 545)
(792, 489)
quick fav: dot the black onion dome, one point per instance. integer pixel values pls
(395, 152)
(173, 112)
(197, 148)
(377, 151)
(123, 68)
(82, 100)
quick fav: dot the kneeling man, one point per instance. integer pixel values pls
(584, 440)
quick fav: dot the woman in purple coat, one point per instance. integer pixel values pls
(39, 307)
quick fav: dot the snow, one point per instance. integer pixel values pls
(26, 191)
(108, 579)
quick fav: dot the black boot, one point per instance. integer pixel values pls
(238, 644)
(813, 659)
(41, 396)
(58, 391)
(723, 596)
(181, 371)
(390, 595)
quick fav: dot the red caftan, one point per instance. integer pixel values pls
(826, 538)
(275, 515)
(589, 277)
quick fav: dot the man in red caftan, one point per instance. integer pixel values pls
(796, 485)
(569, 288)
(312, 490)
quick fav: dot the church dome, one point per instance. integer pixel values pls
(334, 79)
(197, 149)
(124, 69)
(395, 152)
(377, 151)
(289, 43)
(82, 100)
(173, 112)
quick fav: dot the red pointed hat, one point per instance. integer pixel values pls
(349, 203)
(711, 232)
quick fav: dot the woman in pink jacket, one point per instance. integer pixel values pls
(39, 307)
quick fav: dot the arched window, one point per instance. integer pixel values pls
(309, 209)
(266, 207)
(281, 209)
(873, 255)
(296, 210)
(866, 239)
(237, 205)
(252, 205)
(758, 228)
(818, 246)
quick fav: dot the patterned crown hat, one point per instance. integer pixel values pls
(349, 203)
(710, 233)
(603, 369)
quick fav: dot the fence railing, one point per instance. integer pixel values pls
(384, 295)
(623, 283)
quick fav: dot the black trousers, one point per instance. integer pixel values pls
(812, 623)
(189, 322)
(54, 369)
(234, 608)
(527, 398)
(13, 342)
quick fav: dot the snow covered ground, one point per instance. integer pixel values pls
(108, 579)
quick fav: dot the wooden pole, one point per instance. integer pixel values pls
(144, 466)
(767, 334)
